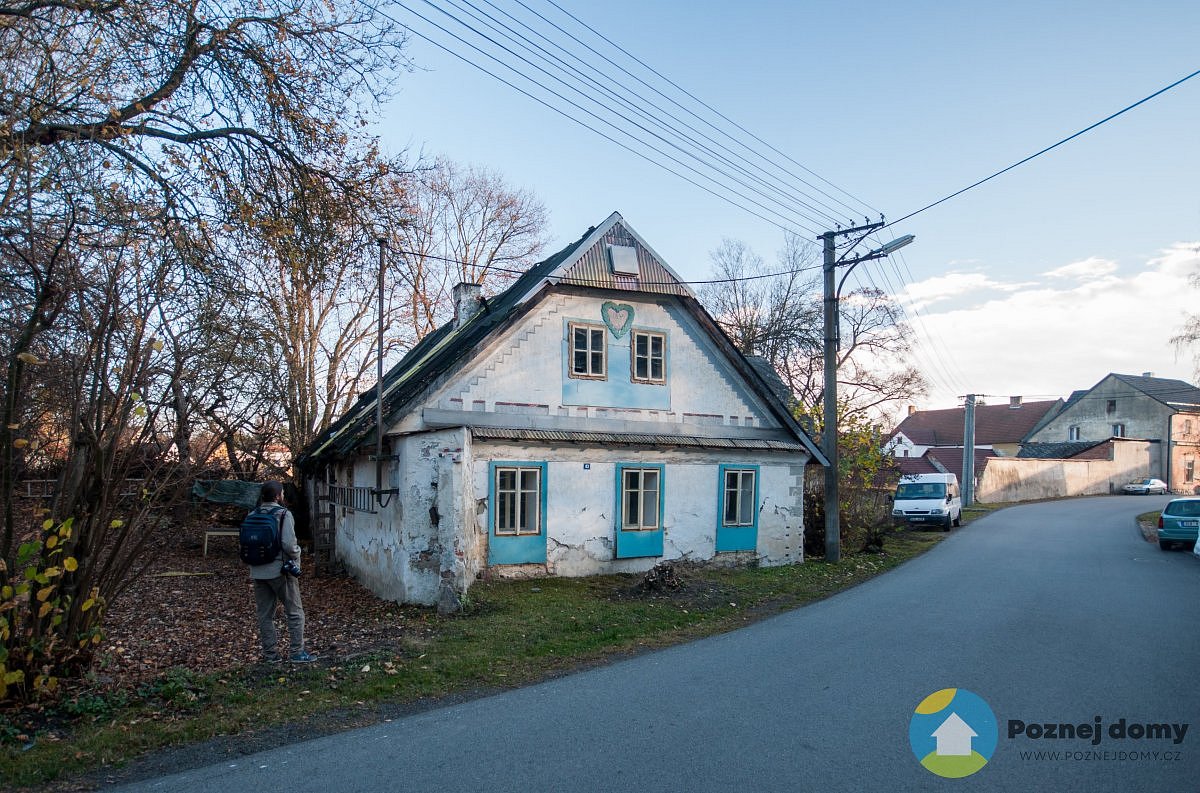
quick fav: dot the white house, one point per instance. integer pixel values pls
(592, 418)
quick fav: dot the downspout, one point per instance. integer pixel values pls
(1170, 430)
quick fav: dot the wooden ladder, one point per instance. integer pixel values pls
(324, 543)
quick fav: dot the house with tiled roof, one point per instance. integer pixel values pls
(1164, 412)
(591, 418)
(999, 428)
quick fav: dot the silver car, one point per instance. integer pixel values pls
(1146, 487)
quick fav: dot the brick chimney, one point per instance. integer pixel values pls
(468, 299)
(912, 409)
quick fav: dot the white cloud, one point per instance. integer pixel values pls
(946, 287)
(1093, 267)
(1048, 339)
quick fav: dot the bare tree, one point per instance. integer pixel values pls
(1189, 333)
(465, 225)
(130, 130)
(777, 312)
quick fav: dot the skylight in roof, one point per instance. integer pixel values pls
(623, 259)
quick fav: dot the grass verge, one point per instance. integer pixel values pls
(511, 633)
(1148, 524)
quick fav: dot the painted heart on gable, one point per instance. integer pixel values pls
(618, 317)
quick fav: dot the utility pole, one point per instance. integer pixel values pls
(379, 457)
(968, 467)
(829, 436)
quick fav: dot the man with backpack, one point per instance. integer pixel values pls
(268, 545)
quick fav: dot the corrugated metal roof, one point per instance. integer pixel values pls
(632, 439)
(593, 269)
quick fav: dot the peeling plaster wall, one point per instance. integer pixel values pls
(434, 536)
(581, 503)
(368, 543)
(408, 548)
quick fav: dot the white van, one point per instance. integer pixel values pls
(928, 499)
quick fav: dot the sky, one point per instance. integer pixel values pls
(1037, 283)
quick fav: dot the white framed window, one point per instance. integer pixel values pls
(641, 499)
(1073, 432)
(589, 353)
(739, 501)
(1189, 469)
(648, 357)
(1118, 430)
(518, 492)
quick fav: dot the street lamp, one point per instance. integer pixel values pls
(833, 540)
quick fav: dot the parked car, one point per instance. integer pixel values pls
(928, 499)
(1146, 487)
(1179, 523)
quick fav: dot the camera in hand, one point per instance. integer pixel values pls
(290, 568)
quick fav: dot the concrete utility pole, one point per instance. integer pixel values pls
(829, 436)
(968, 467)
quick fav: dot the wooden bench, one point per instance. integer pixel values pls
(218, 533)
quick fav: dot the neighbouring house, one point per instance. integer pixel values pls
(1165, 413)
(999, 428)
(592, 418)
(931, 441)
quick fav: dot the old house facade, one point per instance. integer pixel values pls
(1164, 412)
(591, 418)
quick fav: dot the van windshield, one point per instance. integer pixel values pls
(913, 490)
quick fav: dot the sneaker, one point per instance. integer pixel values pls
(303, 657)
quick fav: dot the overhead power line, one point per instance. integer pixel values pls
(569, 117)
(708, 107)
(778, 195)
(688, 145)
(751, 170)
(1035, 155)
(641, 282)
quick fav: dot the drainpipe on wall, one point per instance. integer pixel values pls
(1167, 477)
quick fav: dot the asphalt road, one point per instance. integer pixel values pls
(1051, 613)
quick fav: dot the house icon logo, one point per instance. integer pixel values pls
(953, 733)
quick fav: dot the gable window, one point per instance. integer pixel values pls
(1073, 432)
(739, 501)
(648, 357)
(641, 498)
(588, 351)
(1111, 407)
(1187, 427)
(518, 494)
(1118, 430)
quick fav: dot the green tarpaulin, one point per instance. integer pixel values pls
(228, 491)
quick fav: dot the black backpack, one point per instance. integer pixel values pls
(259, 539)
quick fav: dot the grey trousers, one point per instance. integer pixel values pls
(286, 590)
